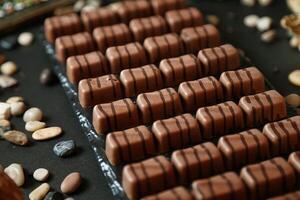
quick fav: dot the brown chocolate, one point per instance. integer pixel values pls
(103, 16)
(183, 18)
(103, 89)
(202, 92)
(263, 108)
(176, 132)
(141, 28)
(242, 82)
(164, 46)
(148, 177)
(129, 145)
(220, 59)
(114, 35)
(174, 193)
(128, 10)
(140, 80)
(88, 65)
(127, 56)
(220, 119)
(289, 196)
(294, 160)
(160, 104)
(244, 148)
(200, 37)
(161, 7)
(180, 69)
(200, 161)
(284, 136)
(225, 186)
(57, 26)
(71, 45)
(115, 116)
(268, 178)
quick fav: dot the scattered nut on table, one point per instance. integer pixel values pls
(16, 173)
(251, 21)
(17, 108)
(265, 2)
(294, 77)
(9, 68)
(213, 19)
(15, 137)
(293, 100)
(264, 23)
(33, 114)
(41, 174)
(249, 3)
(268, 36)
(71, 183)
(32, 126)
(25, 39)
(40, 192)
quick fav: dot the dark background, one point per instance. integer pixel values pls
(276, 60)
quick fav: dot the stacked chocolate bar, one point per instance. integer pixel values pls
(161, 83)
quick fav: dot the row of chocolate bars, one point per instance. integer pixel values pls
(131, 34)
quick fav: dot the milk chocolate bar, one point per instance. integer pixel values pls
(164, 46)
(148, 177)
(180, 69)
(103, 89)
(140, 80)
(242, 82)
(126, 56)
(160, 104)
(284, 136)
(129, 145)
(61, 25)
(268, 178)
(114, 35)
(71, 45)
(141, 28)
(161, 7)
(183, 18)
(176, 132)
(225, 186)
(115, 116)
(244, 148)
(174, 193)
(263, 108)
(220, 119)
(200, 161)
(294, 160)
(128, 10)
(103, 16)
(289, 196)
(220, 59)
(200, 37)
(202, 92)
(88, 65)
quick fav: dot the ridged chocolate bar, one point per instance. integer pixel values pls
(174, 193)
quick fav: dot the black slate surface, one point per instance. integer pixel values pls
(52, 100)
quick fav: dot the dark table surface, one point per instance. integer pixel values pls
(53, 101)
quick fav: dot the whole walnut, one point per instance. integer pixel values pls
(8, 189)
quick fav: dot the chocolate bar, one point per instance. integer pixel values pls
(200, 161)
(263, 108)
(244, 148)
(148, 177)
(174, 193)
(225, 186)
(88, 65)
(103, 89)
(129, 145)
(140, 80)
(176, 132)
(268, 178)
(164, 46)
(200, 37)
(294, 160)
(202, 92)
(242, 82)
(157, 105)
(183, 18)
(220, 119)
(284, 136)
(289, 196)
(161, 7)
(115, 116)
(180, 69)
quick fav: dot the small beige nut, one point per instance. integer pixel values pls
(293, 100)
(46, 133)
(16, 173)
(25, 39)
(294, 42)
(7, 81)
(9, 68)
(294, 77)
(40, 192)
(264, 24)
(249, 3)
(294, 5)
(213, 19)
(15, 137)
(4, 123)
(4, 110)
(15, 99)
(32, 126)
(71, 183)
(41, 174)
(268, 36)
(265, 2)
(17, 108)
(251, 21)
(33, 114)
